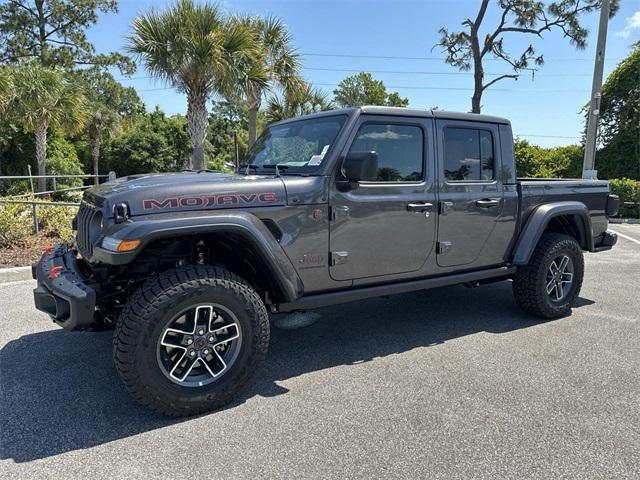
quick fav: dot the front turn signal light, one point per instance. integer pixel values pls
(128, 245)
(121, 246)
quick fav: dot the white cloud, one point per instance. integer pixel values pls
(633, 23)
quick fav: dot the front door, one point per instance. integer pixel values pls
(470, 193)
(386, 226)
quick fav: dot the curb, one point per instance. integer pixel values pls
(631, 221)
(15, 274)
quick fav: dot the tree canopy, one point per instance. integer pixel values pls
(466, 49)
(53, 32)
(619, 130)
(363, 89)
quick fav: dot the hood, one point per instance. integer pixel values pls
(174, 192)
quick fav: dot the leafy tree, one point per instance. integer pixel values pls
(276, 62)
(45, 98)
(6, 89)
(467, 49)
(108, 103)
(149, 143)
(533, 161)
(363, 89)
(304, 101)
(193, 47)
(619, 131)
(53, 32)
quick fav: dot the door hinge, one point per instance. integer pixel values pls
(339, 258)
(444, 207)
(338, 211)
(443, 247)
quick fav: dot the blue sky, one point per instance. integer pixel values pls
(358, 33)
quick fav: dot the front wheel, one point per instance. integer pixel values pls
(548, 285)
(190, 339)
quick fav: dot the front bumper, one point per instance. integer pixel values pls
(62, 291)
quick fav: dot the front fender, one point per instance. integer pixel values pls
(153, 227)
(538, 221)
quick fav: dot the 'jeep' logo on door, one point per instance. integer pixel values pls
(207, 201)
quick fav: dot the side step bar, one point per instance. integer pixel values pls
(332, 298)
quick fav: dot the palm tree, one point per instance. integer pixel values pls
(44, 98)
(193, 47)
(304, 101)
(103, 122)
(277, 62)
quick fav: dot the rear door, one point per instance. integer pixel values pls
(386, 226)
(470, 193)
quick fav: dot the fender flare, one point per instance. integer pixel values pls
(153, 227)
(538, 221)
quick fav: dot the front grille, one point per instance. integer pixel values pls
(83, 236)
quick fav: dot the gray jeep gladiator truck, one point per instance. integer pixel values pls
(327, 208)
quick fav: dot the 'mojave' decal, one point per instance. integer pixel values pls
(206, 201)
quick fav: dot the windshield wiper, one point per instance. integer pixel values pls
(247, 167)
(277, 166)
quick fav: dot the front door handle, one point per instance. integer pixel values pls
(487, 202)
(419, 207)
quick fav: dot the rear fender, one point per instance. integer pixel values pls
(538, 222)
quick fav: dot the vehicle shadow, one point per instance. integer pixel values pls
(60, 391)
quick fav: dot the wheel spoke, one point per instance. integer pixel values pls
(214, 363)
(175, 338)
(551, 286)
(567, 277)
(226, 334)
(203, 316)
(563, 264)
(184, 370)
(559, 292)
(553, 268)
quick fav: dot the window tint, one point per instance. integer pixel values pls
(399, 149)
(468, 154)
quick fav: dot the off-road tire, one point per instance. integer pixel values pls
(142, 321)
(529, 284)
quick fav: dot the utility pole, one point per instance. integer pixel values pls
(589, 166)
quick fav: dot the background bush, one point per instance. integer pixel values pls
(629, 191)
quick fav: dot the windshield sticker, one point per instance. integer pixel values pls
(317, 159)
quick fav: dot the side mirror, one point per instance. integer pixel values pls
(360, 167)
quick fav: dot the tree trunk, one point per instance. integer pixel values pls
(478, 70)
(41, 153)
(254, 106)
(95, 155)
(197, 120)
(478, 74)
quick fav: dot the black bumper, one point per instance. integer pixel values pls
(606, 241)
(62, 291)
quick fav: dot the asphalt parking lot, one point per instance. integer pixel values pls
(448, 383)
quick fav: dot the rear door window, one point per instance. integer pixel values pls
(468, 154)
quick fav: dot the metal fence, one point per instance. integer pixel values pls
(21, 200)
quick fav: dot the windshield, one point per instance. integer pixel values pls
(295, 147)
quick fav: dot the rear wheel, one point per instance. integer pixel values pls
(549, 284)
(190, 339)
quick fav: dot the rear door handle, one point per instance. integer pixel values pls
(419, 207)
(487, 202)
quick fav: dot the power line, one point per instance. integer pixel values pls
(542, 136)
(436, 73)
(397, 57)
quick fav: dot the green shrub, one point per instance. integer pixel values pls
(629, 191)
(55, 221)
(16, 225)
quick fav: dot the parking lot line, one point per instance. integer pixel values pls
(626, 237)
